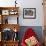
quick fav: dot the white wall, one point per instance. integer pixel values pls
(27, 4)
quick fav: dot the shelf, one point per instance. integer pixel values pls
(11, 41)
(2, 8)
(7, 23)
(10, 26)
(10, 20)
(9, 10)
(6, 12)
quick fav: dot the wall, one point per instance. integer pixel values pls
(27, 4)
(45, 13)
(39, 13)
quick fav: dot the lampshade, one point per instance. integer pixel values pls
(15, 3)
(15, 30)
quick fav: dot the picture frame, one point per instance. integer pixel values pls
(5, 12)
(29, 13)
(13, 12)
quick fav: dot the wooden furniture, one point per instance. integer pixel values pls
(5, 13)
(10, 26)
(10, 43)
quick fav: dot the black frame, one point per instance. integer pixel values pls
(29, 9)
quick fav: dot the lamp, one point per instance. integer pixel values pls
(15, 30)
(15, 34)
(15, 3)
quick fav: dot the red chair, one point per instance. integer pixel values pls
(29, 33)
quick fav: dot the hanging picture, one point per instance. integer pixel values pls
(29, 13)
(5, 12)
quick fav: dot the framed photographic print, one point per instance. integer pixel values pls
(5, 12)
(29, 13)
(13, 12)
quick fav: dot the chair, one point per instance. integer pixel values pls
(28, 34)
